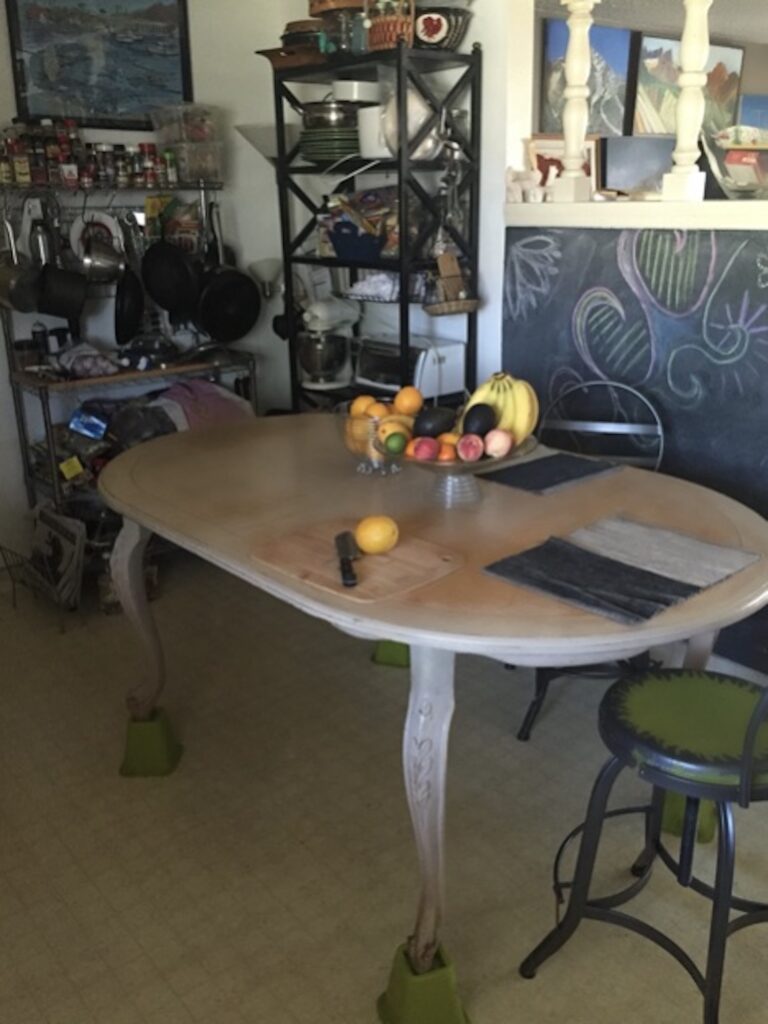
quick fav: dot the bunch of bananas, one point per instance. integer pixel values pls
(514, 402)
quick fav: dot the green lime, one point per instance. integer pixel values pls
(395, 444)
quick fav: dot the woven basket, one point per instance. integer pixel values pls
(387, 30)
(317, 7)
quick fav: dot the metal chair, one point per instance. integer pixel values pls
(611, 420)
(703, 736)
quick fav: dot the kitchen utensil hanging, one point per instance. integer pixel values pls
(229, 301)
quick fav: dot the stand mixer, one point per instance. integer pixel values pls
(324, 353)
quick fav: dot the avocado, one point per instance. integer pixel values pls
(479, 419)
(434, 420)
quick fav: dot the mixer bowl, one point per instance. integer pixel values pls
(322, 355)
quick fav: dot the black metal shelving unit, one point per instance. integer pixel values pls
(413, 68)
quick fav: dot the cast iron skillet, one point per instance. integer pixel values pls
(230, 301)
(172, 279)
(129, 307)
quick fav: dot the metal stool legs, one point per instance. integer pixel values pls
(580, 906)
(593, 827)
(721, 905)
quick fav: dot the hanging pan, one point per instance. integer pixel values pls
(172, 279)
(230, 301)
(129, 307)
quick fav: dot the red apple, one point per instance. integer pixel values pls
(498, 443)
(469, 447)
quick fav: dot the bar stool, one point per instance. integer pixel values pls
(699, 734)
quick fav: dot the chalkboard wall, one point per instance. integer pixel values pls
(681, 316)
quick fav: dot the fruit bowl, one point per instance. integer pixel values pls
(456, 482)
(361, 437)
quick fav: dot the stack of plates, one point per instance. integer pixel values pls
(327, 145)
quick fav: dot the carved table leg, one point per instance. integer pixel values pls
(697, 654)
(422, 986)
(151, 747)
(425, 753)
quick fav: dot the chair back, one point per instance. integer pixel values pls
(605, 418)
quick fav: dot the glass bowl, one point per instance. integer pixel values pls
(738, 158)
(360, 435)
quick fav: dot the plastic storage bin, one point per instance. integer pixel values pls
(185, 122)
(199, 161)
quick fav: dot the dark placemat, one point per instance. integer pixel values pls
(599, 584)
(541, 475)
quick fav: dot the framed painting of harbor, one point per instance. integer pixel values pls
(104, 63)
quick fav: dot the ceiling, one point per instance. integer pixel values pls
(733, 21)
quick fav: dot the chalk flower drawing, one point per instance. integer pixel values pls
(762, 270)
(735, 342)
(532, 266)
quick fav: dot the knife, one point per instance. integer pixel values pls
(347, 550)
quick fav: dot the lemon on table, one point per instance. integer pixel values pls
(376, 535)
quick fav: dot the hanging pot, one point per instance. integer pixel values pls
(19, 285)
(129, 307)
(230, 301)
(172, 279)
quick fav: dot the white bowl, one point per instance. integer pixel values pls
(357, 92)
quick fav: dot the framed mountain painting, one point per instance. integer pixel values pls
(658, 75)
(104, 63)
(610, 74)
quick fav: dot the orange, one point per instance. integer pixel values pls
(449, 438)
(409, 448)
(408, 400)
(446, 453)
(376, 535)
(360, 404)
(377, 410)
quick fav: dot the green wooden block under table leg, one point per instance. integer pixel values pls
(151, 749)
(392, 653)
(430, 998)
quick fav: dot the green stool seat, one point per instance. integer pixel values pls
(696, 735)
(685, 727)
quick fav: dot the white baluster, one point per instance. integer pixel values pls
(573, 185)
(685, 181)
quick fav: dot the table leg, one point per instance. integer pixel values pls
(422, 986)
(151, 748)
(699, 650)
(697, 654)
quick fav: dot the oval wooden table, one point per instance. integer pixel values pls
(231, 494)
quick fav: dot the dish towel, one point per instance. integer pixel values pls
(624, 570)
(549, 472)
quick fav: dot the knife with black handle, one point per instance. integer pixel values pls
(348, 551)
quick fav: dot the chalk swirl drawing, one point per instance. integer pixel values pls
(613, 348)
(670, 271)
(734, 336)
(762, 270)
(532, 266)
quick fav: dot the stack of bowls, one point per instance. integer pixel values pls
(329, 131)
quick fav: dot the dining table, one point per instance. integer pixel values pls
(263, 499)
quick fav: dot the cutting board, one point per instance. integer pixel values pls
(309, 555)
